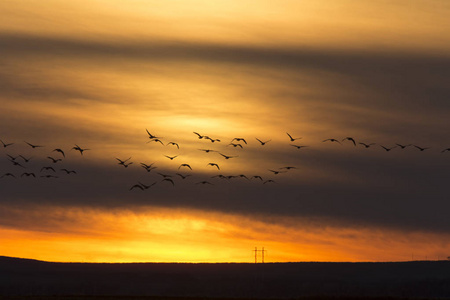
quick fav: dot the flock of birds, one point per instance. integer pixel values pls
(57, 156)
(54, 169)
(237, 142)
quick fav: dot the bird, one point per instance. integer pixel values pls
(137, 186)
(184, 165)
(147, 186)
(16, 163)
(6, 144)
(171, 157)
(448, 149)
(54, 160)
(78, 148)
(173, 143)
(156, 140)
(33, 146)
(49, 176)
(169, 180)
(151, 136)
(299, 146)
(204, 182)
(164, 175)
(332, 140)
(149, 169)
(126, 165)
(235, 145)
(8, 175)
(28, 175)
(227, 157)
(48, 169)
(212, 140)
(420, 148)
(219, 176)
(350, 139)
(291, 138)
(403, 146)
(387, 149)
(367, 145)
(60, 151)
(269, 181)
(122, 162)
(262, 143)
(199, 135)
(12, 157)
(207, 150)
(182, 176)
(257, 177)
(288, 168)
(68, 171)
(25, 159)
(214, 165)
(243, 176)
(239, 139)
(276, 172)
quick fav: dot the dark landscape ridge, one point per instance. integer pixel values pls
(22, 278)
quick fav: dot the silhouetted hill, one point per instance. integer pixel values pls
(424, 279)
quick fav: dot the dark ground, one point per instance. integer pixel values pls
(178, 281)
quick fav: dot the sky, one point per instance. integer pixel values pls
(99, 74)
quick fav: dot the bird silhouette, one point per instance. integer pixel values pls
(69, 171)
(173, 143)
(124, 162)
(164, 175)
(12, 157)
(182, 176)
(228, 157)
(49, 176)
(60, 151)
(332, 140)
(6, 144)
(54, 160)
(262, 143)
(15, 163)
(350, 139)
(243, 176)
(403, 146)
(276, 172)
(28, 174)
(25, 159)
(199, 135)
(146, 187)
(288, 168)
(150, 168)
(156, 140)
(169, 180)
(207, 150)
(291, 138)
(171, 157)
(257, 177)
(219, 176)
(448, 149)
(47, 169)
(78, 148)
(299, 146)
(137, 186)
(387, 149)
(211, 139)
(8, 175)
(185, 165)
(239, 140)
(367, 145)
(214, 165)
(420, 148)
(204, 182)
(151, 136)
(33, 146)
(235, 145)
(269, 181)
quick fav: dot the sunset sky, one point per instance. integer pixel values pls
(99, 73)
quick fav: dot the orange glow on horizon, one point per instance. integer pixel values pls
(164, 235)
